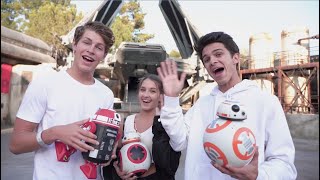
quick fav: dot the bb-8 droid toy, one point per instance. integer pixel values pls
(228, 139)
(134, 156)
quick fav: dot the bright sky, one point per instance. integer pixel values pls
(240, 19)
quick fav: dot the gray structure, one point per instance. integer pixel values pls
(21, 57)
(19, 48)
(137, 59)
(183, 32)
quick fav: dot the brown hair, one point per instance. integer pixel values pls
(98, 27)
(153, 78)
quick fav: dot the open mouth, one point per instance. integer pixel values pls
(218, 71)
(146, 101)
(88, 59)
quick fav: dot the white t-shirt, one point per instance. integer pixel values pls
(58, 99)
(145, 137)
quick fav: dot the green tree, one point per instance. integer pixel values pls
(10, 12)
(128, 24)
(50, 21)
(174, 54)
(14, 13)
(47, 20)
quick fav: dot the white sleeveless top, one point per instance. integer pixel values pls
(146, 136)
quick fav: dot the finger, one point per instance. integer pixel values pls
(86, 147)
(87, 133)
(174, 67)
(116, 167)
(255, 156)
(88, 137)
(128, 176)
(257, 151)
(183, 77)
(79, 123)
(169, 67)
(164, 68)
(114, 151)
(160, 73)
(113, 156)
(80, 148)
(82, 145)
(133, 177)
(221, 168)
(231, 169)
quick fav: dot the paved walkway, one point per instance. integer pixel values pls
(20, 167)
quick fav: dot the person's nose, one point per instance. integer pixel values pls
(91, 49)
(146, 94)
(213, 60)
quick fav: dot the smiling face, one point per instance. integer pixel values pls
(220, 65)
(88, 52)
(149, 95)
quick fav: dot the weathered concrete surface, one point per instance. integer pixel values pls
(304, 126)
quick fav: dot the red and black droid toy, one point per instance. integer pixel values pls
(105, 124)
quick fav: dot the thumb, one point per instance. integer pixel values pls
(256, 155)
(79, 123)
(183, 77)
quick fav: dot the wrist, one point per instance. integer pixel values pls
(171, 102)
(49, 136)
(40, 139)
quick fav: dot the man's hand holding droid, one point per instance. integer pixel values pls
(105, 125)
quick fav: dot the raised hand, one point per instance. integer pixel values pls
(168, 73)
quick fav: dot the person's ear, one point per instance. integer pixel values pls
(236, 58)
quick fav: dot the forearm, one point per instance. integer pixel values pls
(23, 142)
(172, 121)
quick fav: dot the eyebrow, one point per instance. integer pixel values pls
(102, 44)
(212, 52)
(147, 88)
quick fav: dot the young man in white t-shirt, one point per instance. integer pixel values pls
(56, 105)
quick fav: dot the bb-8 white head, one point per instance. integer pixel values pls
(134, 156)
(232, 110)
(229, 139)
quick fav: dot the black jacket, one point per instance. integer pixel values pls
(164, 157)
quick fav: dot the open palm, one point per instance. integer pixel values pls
(168, 73)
